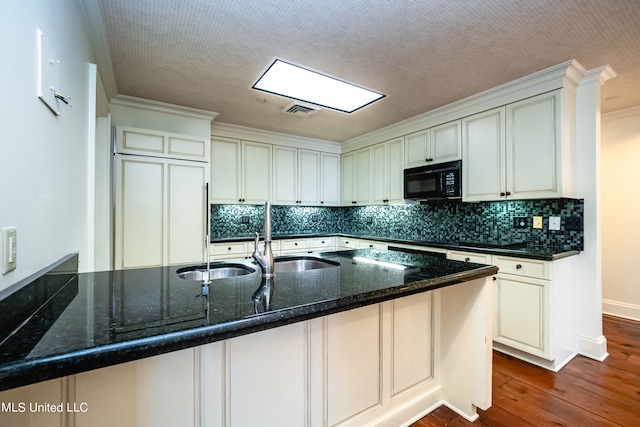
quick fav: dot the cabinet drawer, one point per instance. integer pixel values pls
(372, 244)
(346, 242)
(322, 243)
(235, 248)
(294, 244)
(469, 257)
(522, 267)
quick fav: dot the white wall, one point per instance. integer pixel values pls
(43, 158)
(620, 213)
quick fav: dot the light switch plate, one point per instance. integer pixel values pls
(537, 222)
(554, 223)
(9, 249)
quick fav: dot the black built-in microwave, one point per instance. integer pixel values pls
(439, 181)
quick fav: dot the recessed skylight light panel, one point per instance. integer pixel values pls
(299, 83)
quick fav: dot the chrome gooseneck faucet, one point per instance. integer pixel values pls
(265, 260)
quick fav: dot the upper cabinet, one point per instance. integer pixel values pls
(240, 171)
(296, 176)
(329, 179)
(254, 172)
(435, 145)
(388, 167)
(515, 151)
(152, 143)
(356, 177)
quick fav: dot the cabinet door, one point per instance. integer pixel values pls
(353, 363)
(308, 177)
(533, 148)
(348, 162)
(521, 308)
(445, 142)
(285, 172)
(483, 168)
(395, 171)
(187, 216)
(379, 177)
(363, 176)
(415, 149)
(225, 170)
(256, 172)
(329, 179)
(140, 206)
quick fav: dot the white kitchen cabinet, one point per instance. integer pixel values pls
(372, 244)
(484, 154)
(533, 307)
(240, 171)
(152, 143)
(353, 363)
(438, 144)
(356, 177)
(160, 211)
(347, 243)
(296, 176)
(518, 151)
(329, 179)
(387, 176)
(348, 179)
(322, 244)
(294, 246)
(230, 250)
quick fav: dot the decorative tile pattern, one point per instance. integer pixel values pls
(435, 221)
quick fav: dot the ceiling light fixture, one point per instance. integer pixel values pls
(299, 83)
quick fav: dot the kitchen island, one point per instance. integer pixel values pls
(359, 343)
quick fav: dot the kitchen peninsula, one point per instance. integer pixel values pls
(355, 343)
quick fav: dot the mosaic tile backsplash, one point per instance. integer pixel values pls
(435, 221)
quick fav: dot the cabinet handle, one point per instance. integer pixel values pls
(354, 202)
(321, 202)
(296, 243)
(508, 193)
(467, 259)
(495, 278)
(323, 242)
(371, 246)
(502, 193)
(518, 266)
(229, 248)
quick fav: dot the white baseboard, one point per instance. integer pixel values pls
(621, 309)
(593, 348)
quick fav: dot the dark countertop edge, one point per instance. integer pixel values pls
(36, 370)
(542, 254)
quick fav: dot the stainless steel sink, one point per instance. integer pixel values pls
(302, 263)
(221, 271)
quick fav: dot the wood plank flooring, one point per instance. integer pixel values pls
(584, 393)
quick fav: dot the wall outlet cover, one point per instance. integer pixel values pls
(537, 222)
(573, 223)
(554, 223)
(9, 249)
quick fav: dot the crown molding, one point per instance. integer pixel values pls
(228, 130)
(564, 75)
(631, 112)
(95, 29)
(162, 107)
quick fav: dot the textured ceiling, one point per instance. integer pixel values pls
(421, 54)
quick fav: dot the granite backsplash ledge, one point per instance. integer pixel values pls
(434, 221)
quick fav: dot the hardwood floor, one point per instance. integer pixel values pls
(584, 393)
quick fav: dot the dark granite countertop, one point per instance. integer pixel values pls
(86, 321)
(513, 249)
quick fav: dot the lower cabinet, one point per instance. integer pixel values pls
(533, 307)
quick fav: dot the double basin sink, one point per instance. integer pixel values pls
(292, 264)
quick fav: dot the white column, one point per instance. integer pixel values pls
(591, 341)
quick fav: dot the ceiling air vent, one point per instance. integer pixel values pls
(300, 110)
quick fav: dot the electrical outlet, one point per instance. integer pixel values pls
(520, 222)
(573, 223)
(554, 223)
(537, 222)
(9, 249)
(245, 219)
